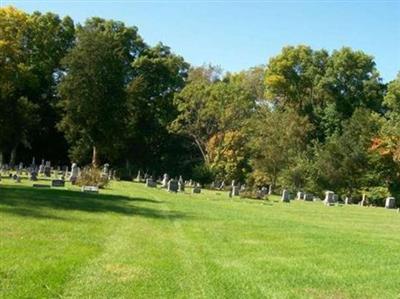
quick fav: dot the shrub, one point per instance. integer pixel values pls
(91, 176)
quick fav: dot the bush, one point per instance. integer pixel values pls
(202, 174)
(91, 176)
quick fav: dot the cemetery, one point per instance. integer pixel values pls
(132, 169)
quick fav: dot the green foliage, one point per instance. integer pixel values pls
(278, 137)
(93, 90)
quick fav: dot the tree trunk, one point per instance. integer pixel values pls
(95, 162)
(1, 158)
(13, 156)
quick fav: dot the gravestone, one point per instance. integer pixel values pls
(196, 190)
(390, 203)
(164, 183)
(106, 168)
(172, 185)
(47, 169)
(308, 197)
(74, 173)
(33, 175)
(329, 198)
(363, 201)
(181, 184)
(90, 189)
(150, 183)
(235, 190)
(300, 195)
(264, 191)
(41, 167)
(138, 177)
(58, 183)
(285, 196)
(347, 200)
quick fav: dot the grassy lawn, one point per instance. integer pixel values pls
(135, 242)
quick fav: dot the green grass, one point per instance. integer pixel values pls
(134, 242)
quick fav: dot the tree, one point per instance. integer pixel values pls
(292, 77)
(93, 96)
(210, 109)
(158, 75)
(277, 138)
(344, 163)
(16, 111)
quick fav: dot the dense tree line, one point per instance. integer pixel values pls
(96, 92)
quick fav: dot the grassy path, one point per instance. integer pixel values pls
(135, 242)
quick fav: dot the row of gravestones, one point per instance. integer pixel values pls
(171, 184)
(331, 198)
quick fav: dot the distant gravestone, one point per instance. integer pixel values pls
(390, 203)
(33, 175)
(181, 185)
(74, 173)
(300, 195)
(172, 185)
(308, 197)
(329, 198)
(47, 169)
(235, 190)
(165, 180)
(347, 200)
(285, 196)
(150, 183)
(363, 201)
(106, 169)
(58, 183)
(90, 189)
(138, 177)
(196, 190)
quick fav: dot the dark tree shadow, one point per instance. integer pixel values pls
(28, 201)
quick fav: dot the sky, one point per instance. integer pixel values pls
(238, 34)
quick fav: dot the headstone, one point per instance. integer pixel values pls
(285, 196)
(347, 200)
(41, 167)
(138, 177)
(58, 183)
(33, 175)
(106, 168)
(165, 181)
(300, 195)
(329, 198)
(74, 173)
(150, 183)
(196, 190)
(172, 185)
(90, 189)
(308, 197)
(47, 169)
(363, 201)
(390, 203)
(181, 185)
(235, 191)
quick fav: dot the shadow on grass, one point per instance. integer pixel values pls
(31, 202)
